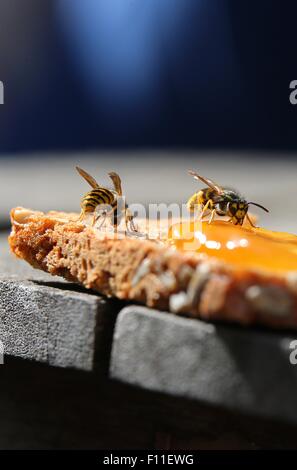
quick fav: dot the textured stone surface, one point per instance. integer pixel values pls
(58, 326)
(45, 407)
(239, 369)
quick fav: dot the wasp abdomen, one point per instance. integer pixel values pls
(97, 197)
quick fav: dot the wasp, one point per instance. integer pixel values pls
(105, 197)
(220, 201)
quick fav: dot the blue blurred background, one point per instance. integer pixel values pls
(116, 74)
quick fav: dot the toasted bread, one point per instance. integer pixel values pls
(153, 273)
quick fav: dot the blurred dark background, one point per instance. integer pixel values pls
(148, 88)
(122, 74)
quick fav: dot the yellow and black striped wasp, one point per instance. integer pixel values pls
(220, 201)
(113, 198)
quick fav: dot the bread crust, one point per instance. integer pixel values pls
(152, 273)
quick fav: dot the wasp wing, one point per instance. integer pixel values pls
(92, 182)
(207, 181)
(116, 182)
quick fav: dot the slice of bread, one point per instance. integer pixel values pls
(151, 272)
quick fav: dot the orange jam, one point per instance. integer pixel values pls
(244, 247)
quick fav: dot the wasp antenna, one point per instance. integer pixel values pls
(258, 205)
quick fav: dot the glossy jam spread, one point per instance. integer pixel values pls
(244, 247)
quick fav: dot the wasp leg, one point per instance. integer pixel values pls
(129, 221)
(103, 215)
(94, 220)
(247, 216)
(132, 225)
(81, 216)
(115, 218)
(204, 209)
(212, 216)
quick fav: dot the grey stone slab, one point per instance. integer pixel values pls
(239, 369)
(55, 325)
(52, 408)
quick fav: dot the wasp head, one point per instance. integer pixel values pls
(237, 211)
(238, 208)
